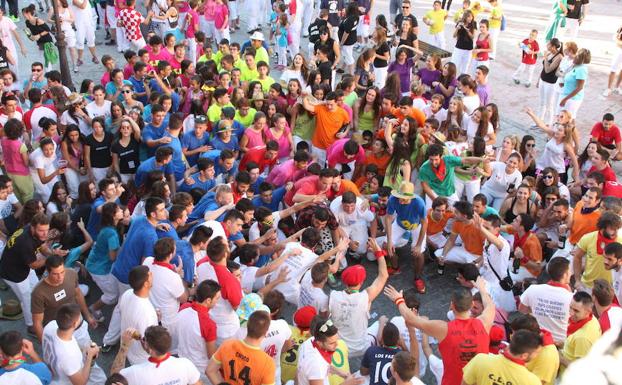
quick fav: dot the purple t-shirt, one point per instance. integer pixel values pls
(427, 77)
(403, 70)
(483, 91)
(437, 90)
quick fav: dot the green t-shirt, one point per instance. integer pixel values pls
(262, 55)
(214, 111)
(248, 75)
(446, 187)
(247, 120)
(266, 83)
(350, 99)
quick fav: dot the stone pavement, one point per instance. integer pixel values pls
(596, 33)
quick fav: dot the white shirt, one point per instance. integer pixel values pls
(191, 345)
(178, 371)
(63, 357)
(289, 74)
(253, 232)
(297, 266)
(85, 128)
(499, 180)
(167, 288)
(6, 206)
(550, 305)
(439, 115)
(138, 313)
(350, 313)
(217, 230)
(94, 110)
(276, 336)
(19, 376)
(357, 216)
(400, 323)
(615, 318)
(249, 276)
(471, 129)
(37, 114)
(499, 260)
(311, 364)
(311, 295)
(617, 283)
(470, 103)
(40, 161)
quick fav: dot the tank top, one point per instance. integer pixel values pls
(552, 156)
(550, 77)
(284, 146)
(350, 313)
(38, 29)
(13, 161)
(510, 216)
(465, 339)
(255, 139)
(482, 44)
(65, 25)
(366, 120)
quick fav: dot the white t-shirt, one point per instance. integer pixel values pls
(357, 216)
(167, 288)
(617, 283)
(138, 313)
(499, 180)
(350, 313)
(249, 277)
(276, 336)
(40, 161)
(217, 230)
(311, 364)
(311, 295)
(191, 343)
(289, 74)
(401, 326)
(550, 305)
(297, 266)
(19, 376)
(253, 232)
(63, 357)
(470, 103)
(471, 129)
(500, 261)
(94, 110)
(615, 318)
(440, 115)
(178, 371)
(6, 206)
(37, 114)
(85, 128)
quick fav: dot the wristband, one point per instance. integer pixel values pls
(399, 301)
(380, 254)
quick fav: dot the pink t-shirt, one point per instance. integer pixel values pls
(209, 10)
(336, 156)
(154, 59)
(284, 145)
(192, 18)
(128, 71)
(285, 172)
(220, 15)
(12, 150)
(255, 139)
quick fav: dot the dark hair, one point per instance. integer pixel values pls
(526, 221)
(258, 324)
(206, 289)
(390, 334)
(524, 341)
(151, 205)
(557, 267)
(216, 249)
(274, 300)
(320, 323)
(462, 299)
(11, 343)
(464, 208)
(138, 276)
(614, 249)
(602, 292)
(163, 248)
(468, 271)
(67, 314)
(609, 219)
(246, 253)
(583, 298)
(158, 339)
(310, 237)
(201, 234)
(525, 322)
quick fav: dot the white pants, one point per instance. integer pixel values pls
(547, 102)
(439, 39)
(208, 27)
(468, 187)
(306, 15)
(233, 11)
(73, 179)
(253, 9)
(521, 275)
(381, 76)
(122, 43)
(282, 55)
(319, 155)
(192, 49)
(294, 47)
(462, 59)
(571, 106)
(521, 68)
(347, 175)
(108, 285)
(370, 338)
(476, 63)
(399, 238)
(494, 200)
(70, 37)
(99, 173)
(494, 36)
(22, 291)
(501, 298)
(439, 239)
(572, 29)
(357, 232)
(85, 31)
(616, 61)
(457, 254)
(453, 198)
(220, 34)
(113, 334)
(139, 44)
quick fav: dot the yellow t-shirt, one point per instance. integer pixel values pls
(340, 361)
(594, 265)
(214, 111)
(266, 83)
(488, 369)
(495, 12)
(248, 75)
(545, 364)
(438, 20)
(289, 359)
(579, 343)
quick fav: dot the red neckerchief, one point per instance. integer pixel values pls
(164, 264)
(440, 171)
(604, 320)
(520, 242)
(203, 260)
(158, 361)
(574, 326)
(234, 191)
(557, 284)
(199, 308)
(602, 242)
(506, 354)
(18, 360)
(326, 355)
(224, 227)
(547, 337)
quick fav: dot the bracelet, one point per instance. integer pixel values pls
(399, 301)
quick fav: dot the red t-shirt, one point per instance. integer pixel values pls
(465, 339)
(257, 155)
(305, 186)
(608, 173)
(606, 138)
(612, 189)
(531, 58)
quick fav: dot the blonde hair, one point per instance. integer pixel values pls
(571, 46)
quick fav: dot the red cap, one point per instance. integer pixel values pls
(304, 316)
(353, 275)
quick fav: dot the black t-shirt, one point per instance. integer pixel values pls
(378, 360)
(576, 5)
(333, 7)
(349, 25)
(330, 43)
(326, 71)
(400, 18)
(383, 49)
(409, 41)
(314, 29)
(128, 156)
(20, 251)
(100, 155)
(463, 40)
(4, 61)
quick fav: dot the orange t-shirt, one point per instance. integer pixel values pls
(327, 124)
(415, 113)
(582, 223)
(382, 162)
(243, 364)
(346, 185)
(532, 249)
(472, 238)
(435, 227)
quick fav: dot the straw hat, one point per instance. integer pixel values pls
(11, 310)
(405, 191)
(74, 98)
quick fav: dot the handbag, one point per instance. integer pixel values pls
(506, 283)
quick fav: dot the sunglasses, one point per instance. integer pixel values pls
(126, 91)
(530, 145)
(405, 7)
(547, 177)
(326, 325)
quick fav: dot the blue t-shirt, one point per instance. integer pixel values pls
(92, 226)
(254, 187)
(378, 360)
(151, 132)
(139, 87)
(39, 369)
(177, 162)
(98, 262)
(138, 245)
(171, 233)
(155, 86)
(207, 185)
(207, 203)
(73, 256)
(408, 216)
(150, 165)
(184, 251)
(218, 144)
(277, 198)
(570, 82)
(238, 128)
(111, 89)
(190, 142)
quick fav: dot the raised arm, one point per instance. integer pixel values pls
(376, 287)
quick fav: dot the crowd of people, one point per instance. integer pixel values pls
(189, 200)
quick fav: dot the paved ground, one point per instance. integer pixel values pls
(596, 33)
